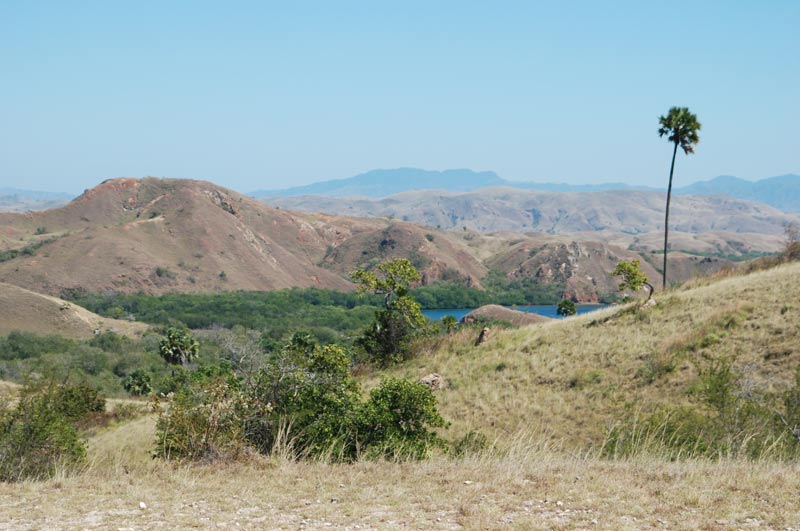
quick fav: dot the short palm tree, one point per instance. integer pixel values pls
(682, 127)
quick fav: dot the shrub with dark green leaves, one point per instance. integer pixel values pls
(138, 383)
(39, 435)
(311, 398)
(566, 307)
(397, 419)
(303, 400)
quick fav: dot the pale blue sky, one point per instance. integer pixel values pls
(256, 95)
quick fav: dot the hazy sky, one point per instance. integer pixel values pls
(261, 94)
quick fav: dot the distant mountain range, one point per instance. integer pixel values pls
(781, 192)
(18, 200)
(504, 209)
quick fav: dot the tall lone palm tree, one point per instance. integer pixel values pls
(682, 127)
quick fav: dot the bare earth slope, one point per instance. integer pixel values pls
(27, 311)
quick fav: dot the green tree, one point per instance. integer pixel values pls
(392, 280)
(681, 126)
(633, 278)
(387, 339)
(178, 347)
(566, 307)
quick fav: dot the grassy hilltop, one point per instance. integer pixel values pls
(547, 395)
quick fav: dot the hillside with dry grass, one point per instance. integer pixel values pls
(574, 378)
(546, 395)
(24, 310)
(162, 235)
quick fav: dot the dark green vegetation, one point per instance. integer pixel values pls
(330, 312)
(566, 307)
(301, 402)
(109, 362)
(387, 340)
(40, 434)
(633, 278)
(28, 250)
(331, 315)
(681, 128)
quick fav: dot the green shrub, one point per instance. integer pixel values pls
(76, 402)
(39, 436)
(138, 383)
(395, 422)
(303, 400)
(203, 419)
(474, 442)
(310, 395)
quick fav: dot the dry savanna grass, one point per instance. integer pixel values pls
(545, 395)
(572, 379)
(530, 486)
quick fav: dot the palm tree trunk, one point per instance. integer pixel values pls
(666, 218)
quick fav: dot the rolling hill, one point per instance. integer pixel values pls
(159, 235)
(163, 235)
(26, 311)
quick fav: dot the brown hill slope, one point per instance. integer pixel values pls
(171, 235)
(24, 310)
(163, 235)
(495, 312)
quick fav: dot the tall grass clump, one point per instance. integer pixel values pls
(728, 419)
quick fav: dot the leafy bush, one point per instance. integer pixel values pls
(306, 390)
(388, 339)
(138, 383)
(303, 398)
(75, 402)
(203, 419)
(395, 421)
(39, 435)
(178, 347)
